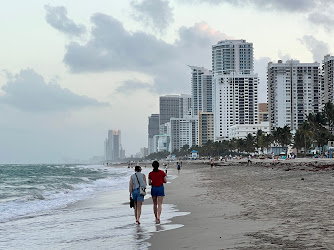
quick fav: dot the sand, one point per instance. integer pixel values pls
(287, 205)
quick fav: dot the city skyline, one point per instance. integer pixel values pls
(71, 72)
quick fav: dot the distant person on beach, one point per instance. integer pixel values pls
(166, 168)
(137, 180)
(156, 179)
(249, 160)
(211, 163)
(178, 167)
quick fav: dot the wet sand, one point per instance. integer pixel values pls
(286, 205)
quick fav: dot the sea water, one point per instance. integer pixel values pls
(73, 207)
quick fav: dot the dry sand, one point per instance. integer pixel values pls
(289, 205)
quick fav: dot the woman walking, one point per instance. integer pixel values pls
(157, 178)
(137, 180)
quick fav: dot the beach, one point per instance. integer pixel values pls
(268, 205)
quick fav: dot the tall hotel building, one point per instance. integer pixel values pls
(328, 74)
(293, 92)
(235, 86)
(183, 132)
(178, 108)
(153, 129)
(113, 146)
(202, 103)
(174, 106)
(201, 89)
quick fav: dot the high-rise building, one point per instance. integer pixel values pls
(232, 56)
(113, 146)
(184, 131)
(201, 89)
(162, 143)
(153, 129)
(235, 86)
(236, 102)
(174, 106)
(328, 75)
(293, 92)
(205, 127)
(263, 112)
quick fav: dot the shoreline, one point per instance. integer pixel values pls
(261, 206)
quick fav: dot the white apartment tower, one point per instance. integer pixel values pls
(294, 92)
(236, 102)
(184, 131)
(235, 86)
(232, 56)
(201, 89)
(328, 77)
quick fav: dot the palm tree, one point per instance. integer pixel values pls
(249, 143)
(259, 139)
(303, 137)
(320, 133)
(282, 136)
(328, 112)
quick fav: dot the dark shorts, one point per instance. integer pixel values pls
(158, 191)
(136, 196)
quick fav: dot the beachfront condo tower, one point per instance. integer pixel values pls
(153, 129)
(113, 146)
(294, 92)
(184, 131)
(235, 86)
(230, 56)
(174, 106)
(328, 75)
(205, 127)
(201, 89)
(236, 102)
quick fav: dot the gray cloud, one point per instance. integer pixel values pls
(131, 86)
(272, 5)
(155, 13)
(318, 48)
(27, 91)
(322, 18)
(57, 18)
(112, 48)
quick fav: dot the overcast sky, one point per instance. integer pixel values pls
(72, 70)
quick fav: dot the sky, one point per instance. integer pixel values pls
(72, 70)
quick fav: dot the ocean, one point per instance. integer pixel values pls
(73, 207)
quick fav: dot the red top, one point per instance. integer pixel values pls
(157, 178)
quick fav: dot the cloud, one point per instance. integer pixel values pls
(27, 91)
(132, 86)
(112, 48)
(318, 48)
(155, 13)
(57, 18)
(323, 19)
(270, 5)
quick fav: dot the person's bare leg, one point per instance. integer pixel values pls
(135, 209)
(139, 205)
(160, 200)
(155, 206)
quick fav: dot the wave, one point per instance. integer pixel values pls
(44, 200)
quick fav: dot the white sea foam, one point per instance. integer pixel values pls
(46, 201)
